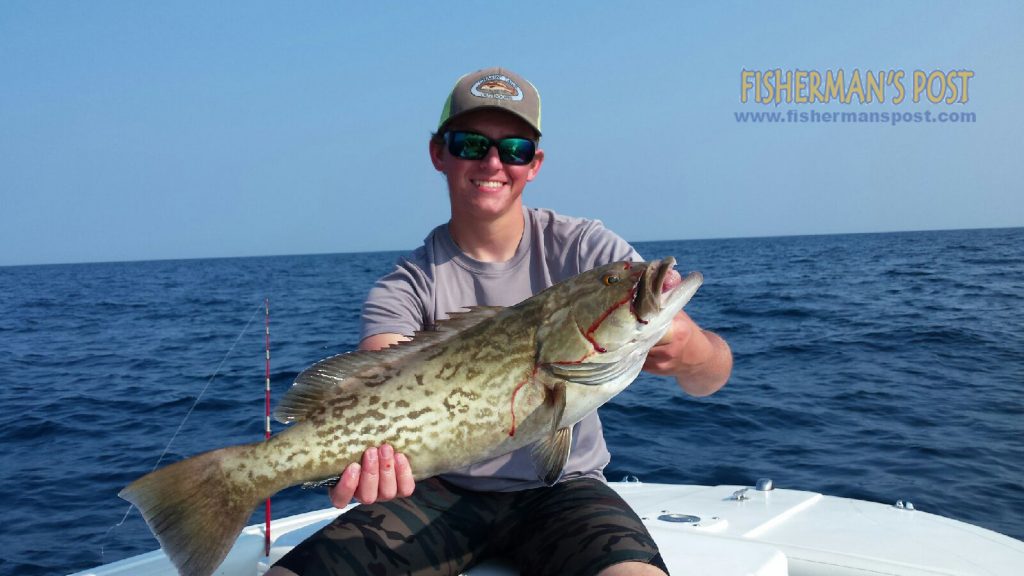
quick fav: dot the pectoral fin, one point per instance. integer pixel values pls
(551, 455)
(597, 373)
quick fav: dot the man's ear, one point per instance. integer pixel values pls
(538, 159)
(436, 152)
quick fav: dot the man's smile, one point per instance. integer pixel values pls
(493, 184)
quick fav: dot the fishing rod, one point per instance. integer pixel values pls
(266, 323)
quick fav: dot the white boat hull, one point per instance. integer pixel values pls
(722, 531)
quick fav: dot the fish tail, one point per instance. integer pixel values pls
(195, 509)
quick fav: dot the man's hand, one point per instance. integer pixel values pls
(700, 361)
(382, 476)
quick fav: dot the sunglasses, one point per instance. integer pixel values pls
(473, 146)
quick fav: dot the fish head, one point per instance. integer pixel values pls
(613, 314)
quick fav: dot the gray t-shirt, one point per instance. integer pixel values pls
(438, 278)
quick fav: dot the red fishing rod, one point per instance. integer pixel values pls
(266, 323)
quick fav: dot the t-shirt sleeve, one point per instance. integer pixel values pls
(599, 246)
(395, 304)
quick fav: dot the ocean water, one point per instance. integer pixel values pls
(873, 366)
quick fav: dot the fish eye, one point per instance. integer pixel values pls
(610, 279)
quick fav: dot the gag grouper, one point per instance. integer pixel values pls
(486, 382)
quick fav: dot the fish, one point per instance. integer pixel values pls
(485, 382)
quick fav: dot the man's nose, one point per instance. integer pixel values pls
(491, 160)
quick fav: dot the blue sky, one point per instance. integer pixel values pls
(148, 130)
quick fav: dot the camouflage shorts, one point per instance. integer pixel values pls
(576, 527)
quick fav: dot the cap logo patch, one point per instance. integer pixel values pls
(497, 86)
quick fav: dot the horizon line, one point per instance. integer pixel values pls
(407, 250)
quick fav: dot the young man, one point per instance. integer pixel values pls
(494, 251)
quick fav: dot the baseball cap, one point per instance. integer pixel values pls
(492, 88)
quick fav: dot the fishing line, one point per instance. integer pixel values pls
(183, 420)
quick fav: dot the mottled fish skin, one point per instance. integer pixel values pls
(437, 405)
(488, 382)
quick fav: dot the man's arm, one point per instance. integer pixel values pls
(381, 341)
(700, 360)
(383, 474)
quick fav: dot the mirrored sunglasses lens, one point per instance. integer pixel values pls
(516, 150)
(467, 145)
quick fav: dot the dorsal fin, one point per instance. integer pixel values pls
(318, 382)
(328, 376)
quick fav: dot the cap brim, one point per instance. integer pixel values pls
(444, 126)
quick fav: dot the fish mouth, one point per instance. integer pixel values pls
(661, 288)
(647, 301)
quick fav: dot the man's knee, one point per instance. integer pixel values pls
(631, 569)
